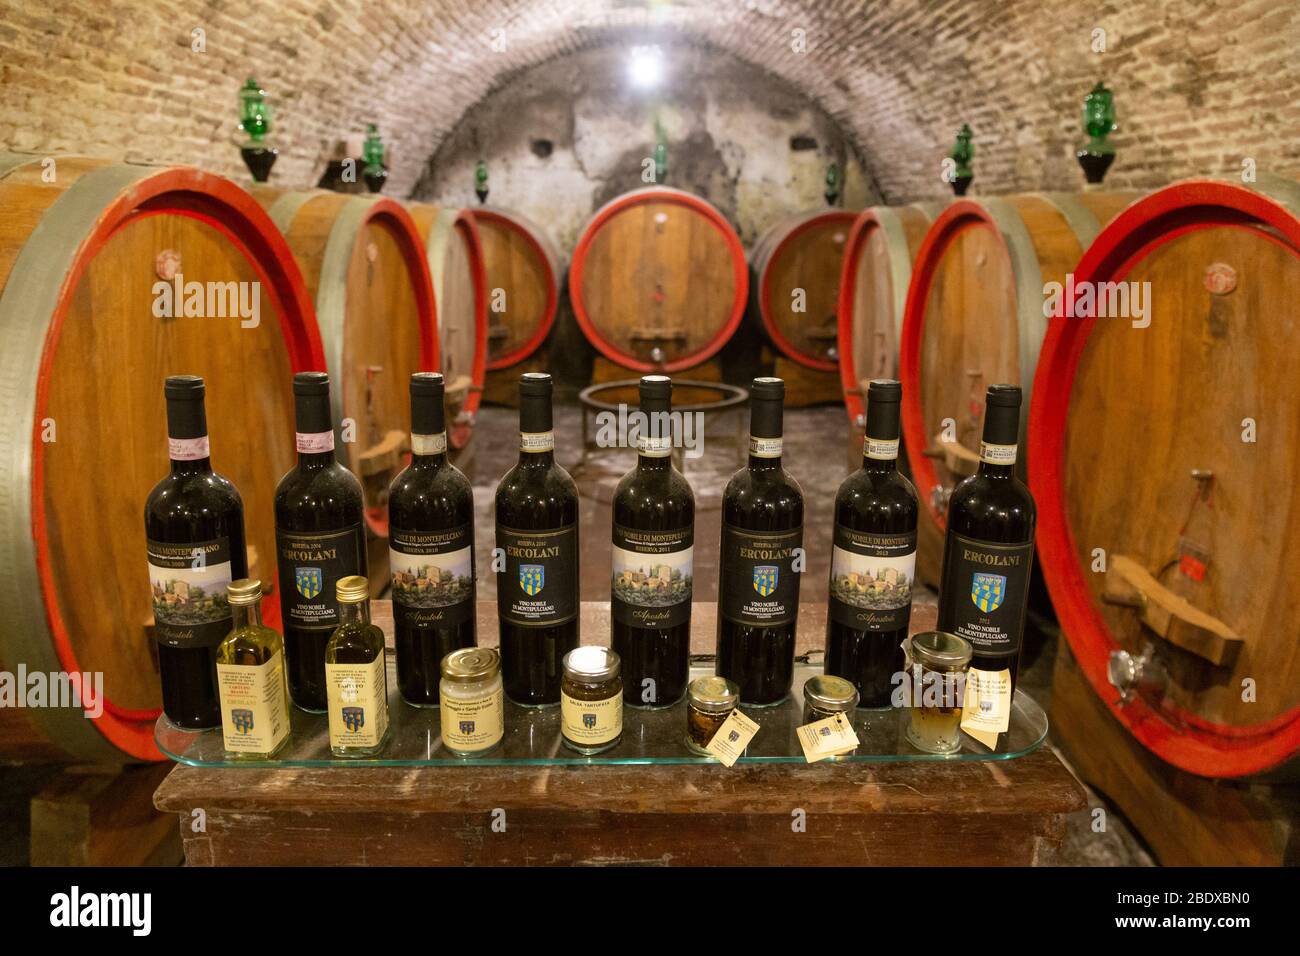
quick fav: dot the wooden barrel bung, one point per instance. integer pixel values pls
(974, 316)
(658, 280)
(797, 265)
(874, 276)
(1168, 450)
(365, 267)
(89, 336)
(456, 266)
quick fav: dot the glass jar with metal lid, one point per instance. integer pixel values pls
(591, 699)
(825, 695)
(710, 701)
(472, 701)
(936, 665)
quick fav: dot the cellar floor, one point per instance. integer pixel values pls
(815, 454)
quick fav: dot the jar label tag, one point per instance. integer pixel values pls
(986, 709)
(827, 738)
(732, 738)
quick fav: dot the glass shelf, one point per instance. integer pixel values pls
(649, 737)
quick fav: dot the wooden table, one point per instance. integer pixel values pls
(930, 813)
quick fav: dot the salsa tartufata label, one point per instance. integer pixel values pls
(539, 586)
(188, 584)
(871, 579)
(985, 589)
(432, 576)
(759, 584)
(652, 577)
(311, 564)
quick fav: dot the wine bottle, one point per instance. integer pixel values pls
(194, 530)
(761, 558)
(988, 552)
(319, 539)
(431, 548)
(873, 561)
(537, 531)
(654, 539)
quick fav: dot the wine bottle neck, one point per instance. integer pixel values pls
(187, 436)
(314, 434)
(999, 445)
(428, 451)
(879, 456)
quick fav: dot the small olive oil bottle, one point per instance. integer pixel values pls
(252, 680)
(356, 677)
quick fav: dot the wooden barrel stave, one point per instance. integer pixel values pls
(79, 262)
(658, 280)
(1209, 359)
(989, 258)
(364, 264)
(456, 266)
(804, 252)
(875, 274)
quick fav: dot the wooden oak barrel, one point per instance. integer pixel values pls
(658, 280)
(88, 338)
(365, 267)
(975, 316)
(524, 273)
(1170, 452)
(875, 273)
(456, 266)
(796, 267)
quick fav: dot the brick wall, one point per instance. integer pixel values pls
(1199, 85)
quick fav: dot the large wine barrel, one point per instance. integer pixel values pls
(658, 280)
(1143, 454)
(456, 265)
(365, 266)
(973, 317)
(796, 268)
(875, 273)
(87, 342)
(524, 272)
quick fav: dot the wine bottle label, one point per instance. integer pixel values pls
(254, 705)
(539, 586)
(880, 448)
(871, 579)
(314, 443)
(429, 444)
(985, 590)
(765, 447)
(188, 582)
(310, 565)
(187, 449)
(655, 446)
(590, 723)
(473, 724)
(358, 703)
(534, 442)
(997, 454)
(652, 578)
(759, 584)
(433, 576)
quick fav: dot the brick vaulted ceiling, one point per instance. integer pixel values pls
(1199, 85)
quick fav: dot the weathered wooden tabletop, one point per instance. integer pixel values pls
(933, 813)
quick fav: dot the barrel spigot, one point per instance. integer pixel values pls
(1141, 674)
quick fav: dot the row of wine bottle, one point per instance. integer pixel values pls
(195, 530)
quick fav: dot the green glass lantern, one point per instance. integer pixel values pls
(372, 152)
(832, 184)
(1098, 123)
(255, 122)
(481, 180)
(963, 151)
(661, 153)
